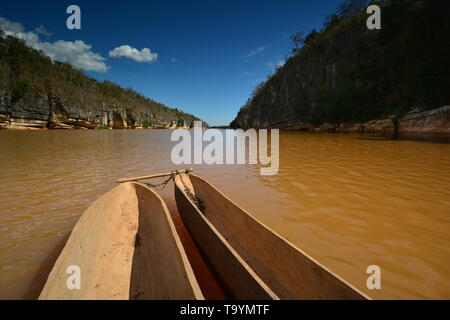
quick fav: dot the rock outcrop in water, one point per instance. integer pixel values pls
(36, 92)
(435, 121)
(347, 78)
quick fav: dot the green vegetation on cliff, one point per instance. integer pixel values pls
(24, 70)
(346, 73)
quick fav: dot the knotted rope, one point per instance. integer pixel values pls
(162, 185)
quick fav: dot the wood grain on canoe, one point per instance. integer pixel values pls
(126, 246)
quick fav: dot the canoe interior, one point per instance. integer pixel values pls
(236, 278)
(287, 271)
(127, 247)
(206, 280)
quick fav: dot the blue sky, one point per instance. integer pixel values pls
(210, 54)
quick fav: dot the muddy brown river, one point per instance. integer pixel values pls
(349, 201)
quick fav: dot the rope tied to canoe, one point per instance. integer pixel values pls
(195, 200)
(159, 186)
(162, 185)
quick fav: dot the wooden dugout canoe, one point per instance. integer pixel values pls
(127, 247)
(250, 260)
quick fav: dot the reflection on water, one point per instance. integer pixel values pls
(348, 201)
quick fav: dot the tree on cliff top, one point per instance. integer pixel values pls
(298, 39)
(349, 7)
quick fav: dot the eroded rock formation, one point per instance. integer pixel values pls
(435, 121)
(33, 111)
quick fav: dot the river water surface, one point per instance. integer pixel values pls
(349, 201)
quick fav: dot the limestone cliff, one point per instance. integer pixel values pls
(347, 78)
(33, 111)
(435, 121)
(36, 92)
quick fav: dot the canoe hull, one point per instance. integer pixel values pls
(126, 247)
(287, 271)
(237, 279)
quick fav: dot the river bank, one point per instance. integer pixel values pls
(415, 122)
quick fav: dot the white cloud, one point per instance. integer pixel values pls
(144, 55)
(41, 29)
(10, 26)
(77, 53)
(254, 52)
(173, 59)
(275, 65)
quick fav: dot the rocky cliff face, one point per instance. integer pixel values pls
(36, 92)
(33, 111)
(435, 121)
(347, 78)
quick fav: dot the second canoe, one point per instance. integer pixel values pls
(249, 259)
